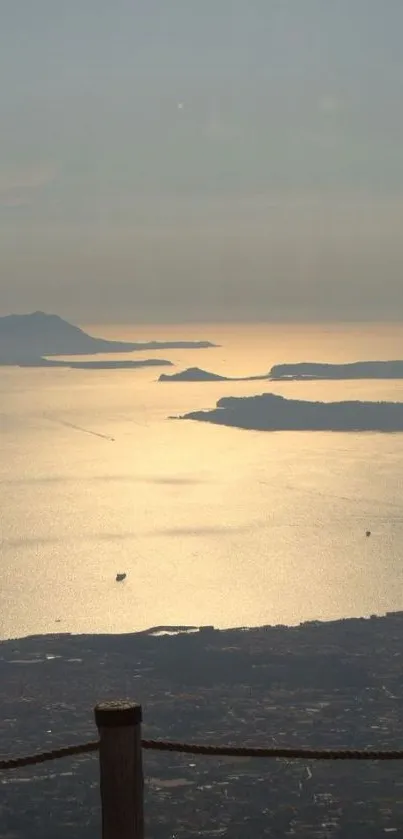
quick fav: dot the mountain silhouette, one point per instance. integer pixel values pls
(355, 370)
(195, 374)
(25, 339)
(270, 412)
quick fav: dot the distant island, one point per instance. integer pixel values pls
(270, 412)
(26, 340)
(195, 374)
(96, 365)
(356, 370)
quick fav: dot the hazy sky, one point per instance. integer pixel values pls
(169, 160)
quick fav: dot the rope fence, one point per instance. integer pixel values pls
(44, 757)
(209, 751)
(120, 746)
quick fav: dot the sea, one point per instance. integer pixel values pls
(211, 525)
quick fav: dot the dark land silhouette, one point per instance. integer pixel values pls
(195, 374)
(337, 684)
(270, 412)
(26, 339)
(355, 370)
(96, 365)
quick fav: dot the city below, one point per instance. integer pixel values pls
(337, 684)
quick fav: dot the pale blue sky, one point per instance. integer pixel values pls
(200, 159)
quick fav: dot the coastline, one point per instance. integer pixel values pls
(332, 684)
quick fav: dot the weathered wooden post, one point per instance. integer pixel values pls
(119, 726)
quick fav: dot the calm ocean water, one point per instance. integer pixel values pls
(210, 524)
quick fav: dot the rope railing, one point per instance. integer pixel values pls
(262, 751)
(209, 751)
(120, 746)
(44, 757)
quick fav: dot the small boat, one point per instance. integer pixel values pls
(120, 577)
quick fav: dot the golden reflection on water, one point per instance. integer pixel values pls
(210, 524)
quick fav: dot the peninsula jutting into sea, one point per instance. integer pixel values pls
(27, 340)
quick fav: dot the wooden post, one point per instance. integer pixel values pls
(119, 726)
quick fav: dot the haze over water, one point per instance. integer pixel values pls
(212, 525)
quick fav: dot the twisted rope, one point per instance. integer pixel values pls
(290, 753)
(53, 754)
(212, 751)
